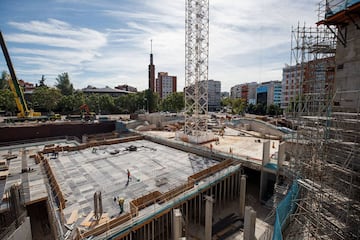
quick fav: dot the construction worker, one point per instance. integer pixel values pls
(121, 204)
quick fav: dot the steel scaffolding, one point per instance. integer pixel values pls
(196, 66)
(313, 51)
(326, 148)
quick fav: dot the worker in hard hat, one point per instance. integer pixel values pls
(121, 204)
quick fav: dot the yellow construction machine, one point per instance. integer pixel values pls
(24, 112)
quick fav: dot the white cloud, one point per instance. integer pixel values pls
(57, 33)
(242, 34)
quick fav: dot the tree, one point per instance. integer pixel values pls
(46, 99)
(273, 110)
(173, 102)
(260, 109)
(106, 103)
(64, 85)
(7, 101)
(238, 106)
(42, 81)
(151, 100)
(226, 102)
(4, 80)
(251, 108)
(93, 102)
(71, 104)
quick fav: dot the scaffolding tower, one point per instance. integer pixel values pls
(196, 66)
(313, 52)
(326, 148)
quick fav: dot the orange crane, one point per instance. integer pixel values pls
(87, 115)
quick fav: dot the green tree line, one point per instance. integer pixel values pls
(240, 107)
(64, 99)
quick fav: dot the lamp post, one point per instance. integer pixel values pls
(146, 105)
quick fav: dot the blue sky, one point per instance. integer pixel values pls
(107, 42)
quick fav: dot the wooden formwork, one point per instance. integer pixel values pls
(144, 201)
(54, 185)
(172, 193)
(209, 171)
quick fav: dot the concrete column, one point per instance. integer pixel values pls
(242, 196)
(177, 224)
(152, 229)
(264, 175)
(281, 154)
(200, 215)
(226, 189)
(266, 153)
(187, 216)
(208, 217)
(249, 223)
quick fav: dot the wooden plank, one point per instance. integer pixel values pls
(73, 217)
(86, 222)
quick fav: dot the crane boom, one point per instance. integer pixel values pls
(14, 85)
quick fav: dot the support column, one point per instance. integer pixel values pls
(281, 154)
(200, 215)
(242, 196)
(264, 175)
(208, 217)
(249, 223)
(177, 224)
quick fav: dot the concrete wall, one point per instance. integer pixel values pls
(18, 133)
(260, 126)
(23, 232)
(347, 75)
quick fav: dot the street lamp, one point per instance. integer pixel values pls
(146, 104)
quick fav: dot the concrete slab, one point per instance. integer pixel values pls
(242, 145)
(81, 173)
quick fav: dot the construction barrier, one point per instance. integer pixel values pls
(286, 207)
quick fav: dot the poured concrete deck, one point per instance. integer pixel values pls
(33, 181)
(240, 143)
(80, 174)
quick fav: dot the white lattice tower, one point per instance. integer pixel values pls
(196, 66)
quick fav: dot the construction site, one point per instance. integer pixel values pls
(196, 176)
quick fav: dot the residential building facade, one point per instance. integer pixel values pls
(291, 84)
(165, 84)
(214, 95)
(268, 93)
(246, 91)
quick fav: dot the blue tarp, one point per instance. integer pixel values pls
(335, 6)
(286, 207)
(272, 166)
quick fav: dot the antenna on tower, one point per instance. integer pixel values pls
(151, 46)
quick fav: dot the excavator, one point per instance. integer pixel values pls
(85, 114)
(24, 112)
